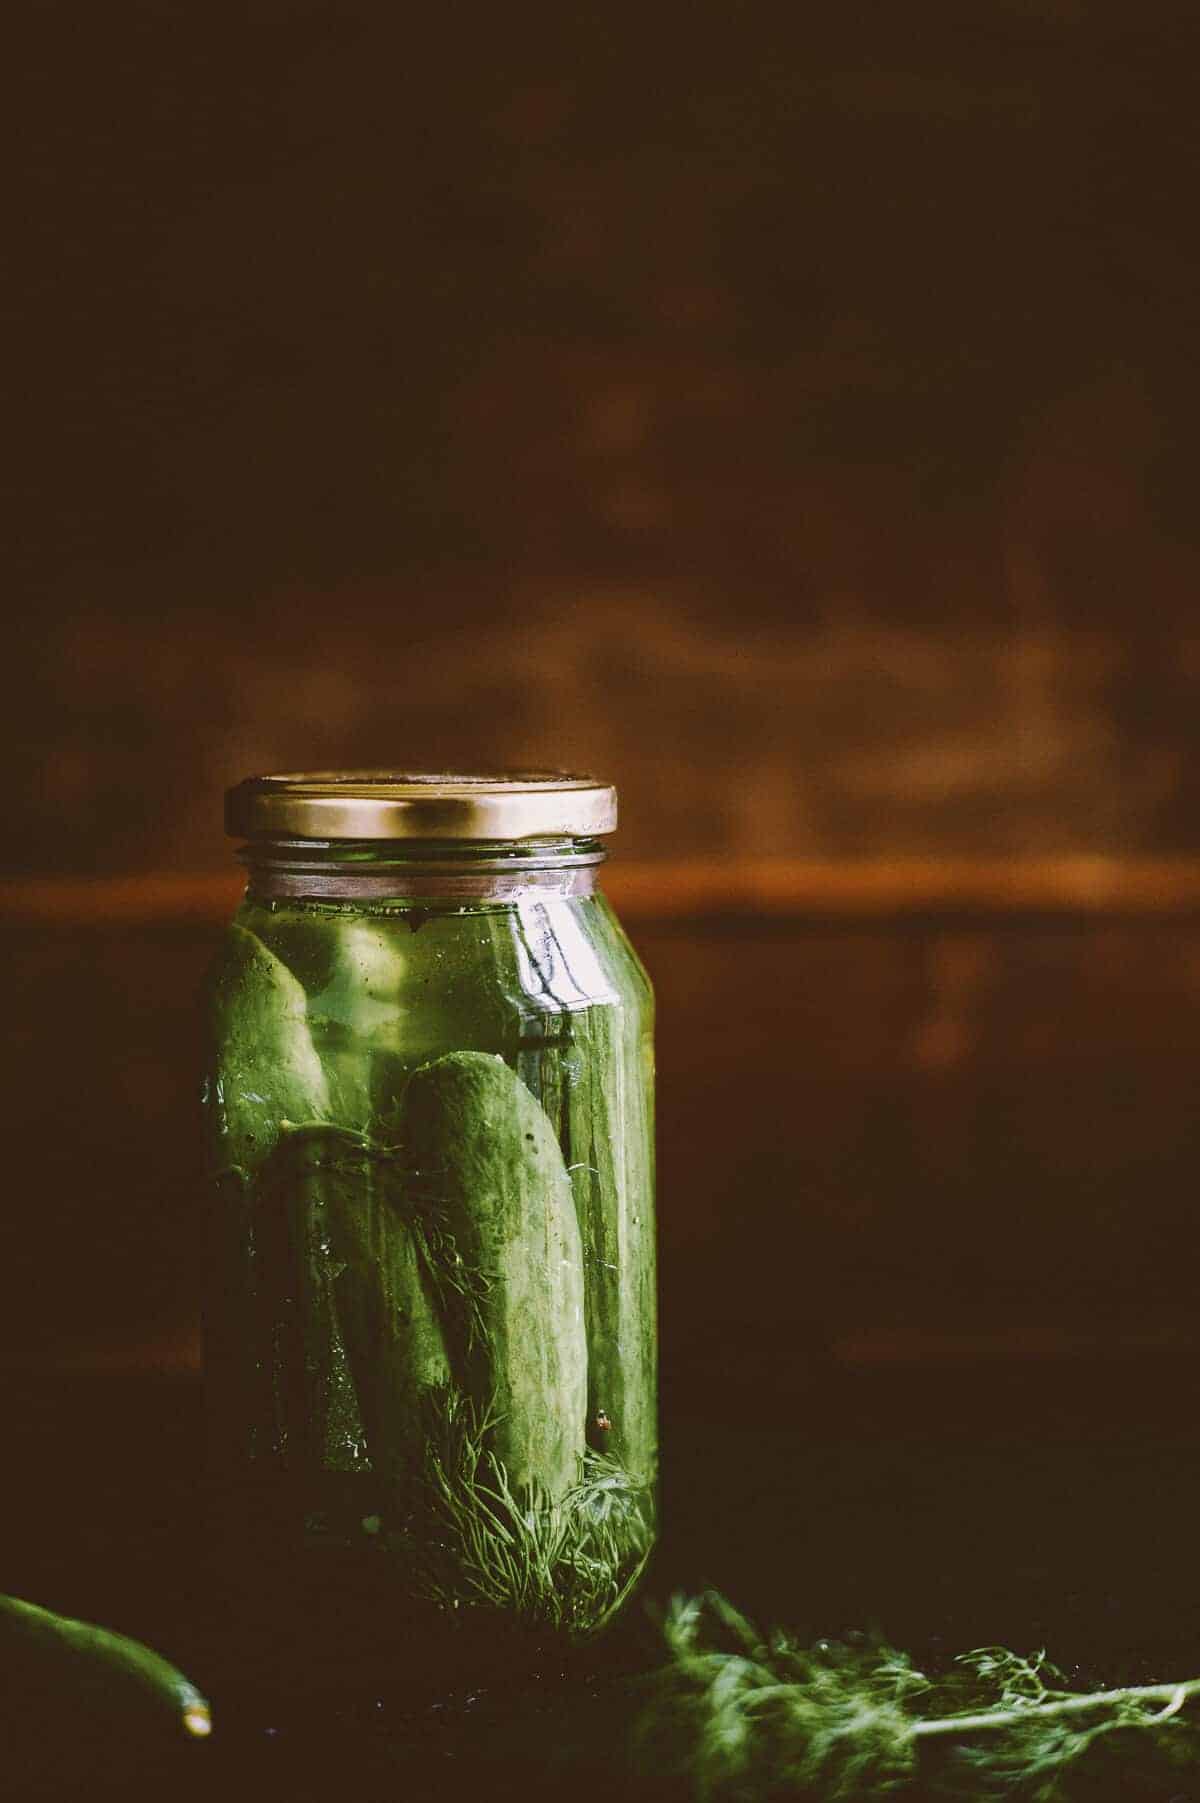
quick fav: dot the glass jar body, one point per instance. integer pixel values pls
(431, 1338)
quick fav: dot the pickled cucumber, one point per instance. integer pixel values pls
(612, 1186)
(362, 1338)
(384, 1310)
(316, 1417)
(358, 1018)
(269, 1071)
(487, 1182)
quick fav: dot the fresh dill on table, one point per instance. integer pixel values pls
(742, 1717)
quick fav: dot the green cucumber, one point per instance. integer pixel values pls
(265, 1073)
(488, 1186)
(70, 1690)
(361, 1015)
(365, 1341)
(391, 1329)
(269, 1071)
(613, 1189)
(317, 1421)
(384, 1314)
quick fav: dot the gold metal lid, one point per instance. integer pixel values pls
(383, 804)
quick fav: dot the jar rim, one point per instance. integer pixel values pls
(383, 804)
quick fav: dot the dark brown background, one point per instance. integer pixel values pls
(790, 411)
(790, 414)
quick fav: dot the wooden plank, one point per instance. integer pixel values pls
(885, 888)
(694, 888)
(159, 897)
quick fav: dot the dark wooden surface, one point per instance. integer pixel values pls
(945, 1510)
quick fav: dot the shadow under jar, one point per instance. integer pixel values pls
(431, 1334)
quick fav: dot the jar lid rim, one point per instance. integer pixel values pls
(387, 804)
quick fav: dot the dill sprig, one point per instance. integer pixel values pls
(745, 1717)
(565, 1565)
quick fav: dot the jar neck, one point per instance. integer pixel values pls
(419, 870)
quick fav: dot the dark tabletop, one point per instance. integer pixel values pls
(1024, 1503)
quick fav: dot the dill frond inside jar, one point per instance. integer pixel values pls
(431, 1338)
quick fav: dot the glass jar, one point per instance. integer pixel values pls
(430, 1345)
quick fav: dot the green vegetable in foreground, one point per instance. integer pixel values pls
(743, 1716)
(55, 1672)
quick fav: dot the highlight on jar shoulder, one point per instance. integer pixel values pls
(431, 1340)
